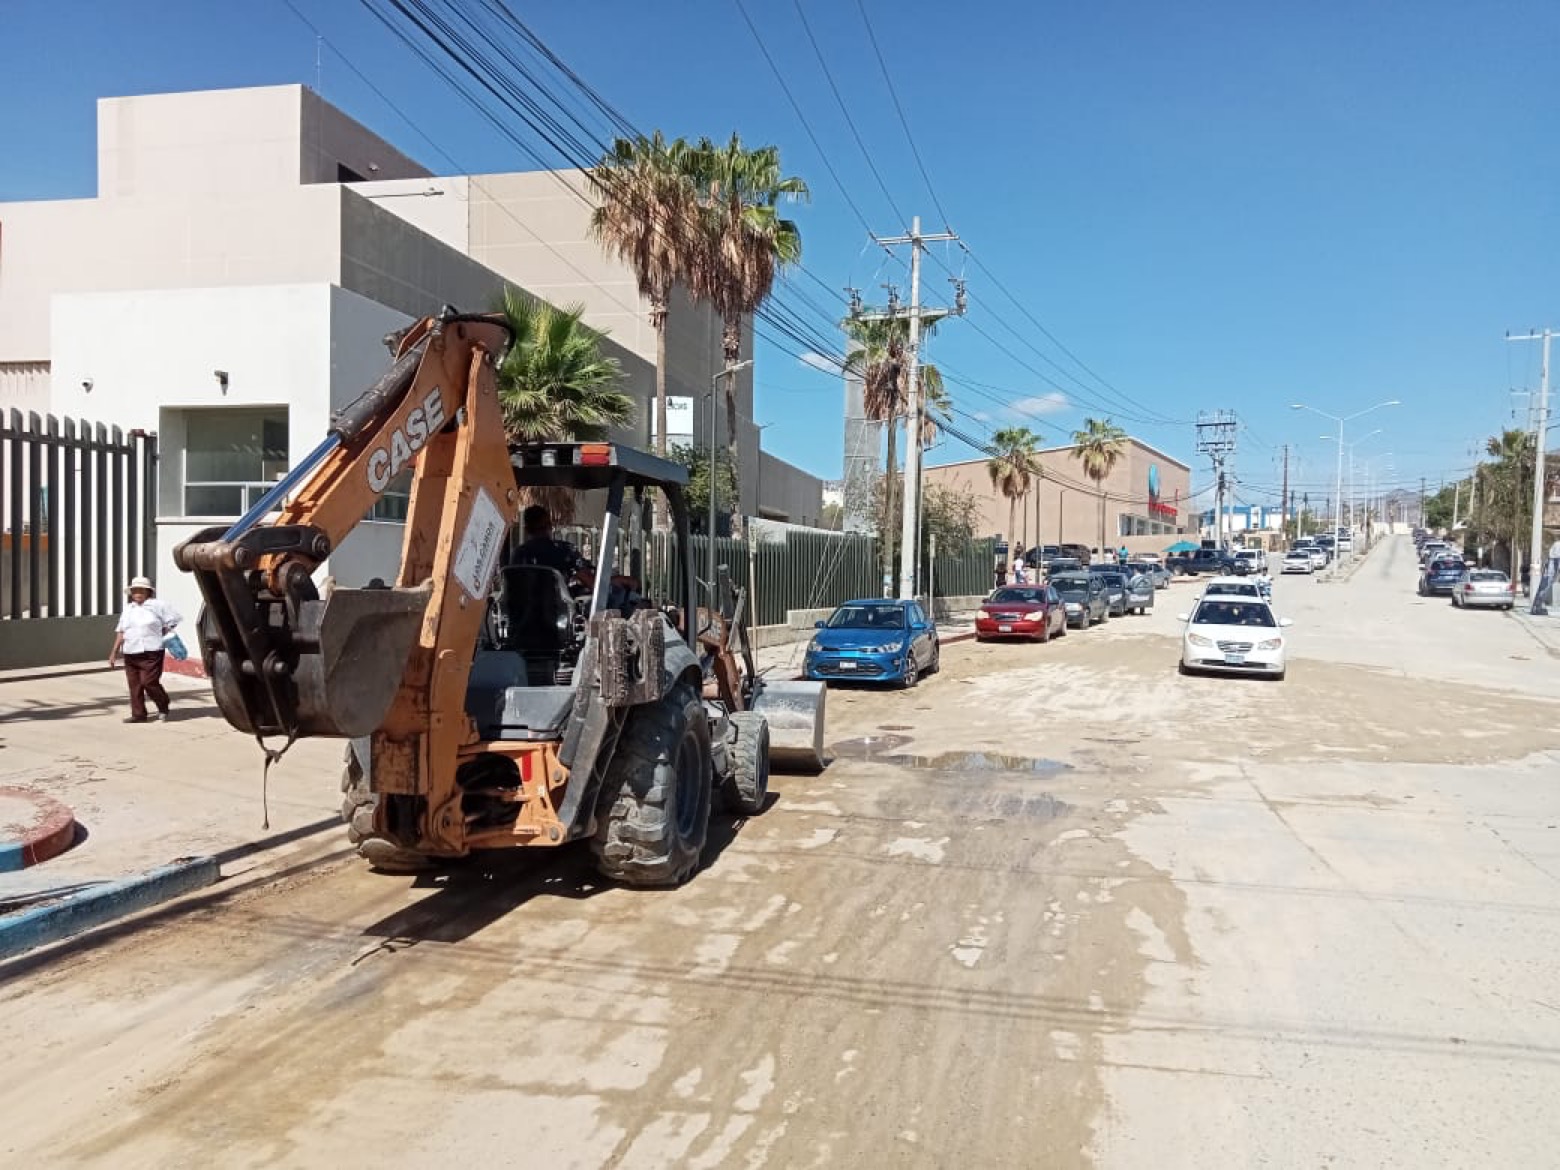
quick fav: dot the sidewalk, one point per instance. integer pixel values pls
(1543, 630)
(146, 795)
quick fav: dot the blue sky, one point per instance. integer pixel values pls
(1212, 206)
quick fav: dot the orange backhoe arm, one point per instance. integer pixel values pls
(392, 659)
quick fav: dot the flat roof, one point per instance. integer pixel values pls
(1168, 458)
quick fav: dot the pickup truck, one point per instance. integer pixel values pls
(1202, 560)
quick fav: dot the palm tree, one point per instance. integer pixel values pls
(555, 384)
(1013, 467)
(1099, 447)
(1505, 491)
(744, 243)
(877, 356)
(646, 217)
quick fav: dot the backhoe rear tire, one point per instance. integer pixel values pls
(655, 802)
(747, 788)
(357, 810)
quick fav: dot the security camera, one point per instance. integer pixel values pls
(222, 379)
(86, 384)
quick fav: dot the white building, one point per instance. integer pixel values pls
(232, 280)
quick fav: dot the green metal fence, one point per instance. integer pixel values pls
(797, 568)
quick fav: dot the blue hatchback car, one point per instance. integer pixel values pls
(876, 639)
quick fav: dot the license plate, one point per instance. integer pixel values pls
(1234, 660)
(1004, 629)
(847, 665)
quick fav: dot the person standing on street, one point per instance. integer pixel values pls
(142, 627)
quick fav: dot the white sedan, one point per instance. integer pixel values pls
(1298, 560)
(1233, 635)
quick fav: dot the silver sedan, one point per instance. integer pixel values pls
(1489, 588)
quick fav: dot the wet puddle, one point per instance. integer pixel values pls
(884, 749)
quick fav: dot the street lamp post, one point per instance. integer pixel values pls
(711, 471)
(1338, 497)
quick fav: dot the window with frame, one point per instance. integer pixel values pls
(394, 503)
(232, 457)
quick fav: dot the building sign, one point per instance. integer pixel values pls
(679, 420)
(1155, 508)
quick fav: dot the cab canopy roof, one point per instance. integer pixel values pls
(588, 466)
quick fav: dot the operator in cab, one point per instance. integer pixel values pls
(541, 548)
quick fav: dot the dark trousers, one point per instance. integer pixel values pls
(144, 672)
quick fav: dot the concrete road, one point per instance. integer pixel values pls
(1056, 907)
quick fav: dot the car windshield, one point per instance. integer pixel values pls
(1016, 596)
(1298, 553)
(868, 617)
(1073, 583)
(1114, 580)
(1233, 613)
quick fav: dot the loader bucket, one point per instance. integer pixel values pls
(794, 712)
(365, 636)
(351, 652)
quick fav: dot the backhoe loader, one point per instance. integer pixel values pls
(491, 703)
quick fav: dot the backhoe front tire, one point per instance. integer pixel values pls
(655, 803)
(747, 788)
(357, 810)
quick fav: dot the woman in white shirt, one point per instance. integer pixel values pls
(142, 627)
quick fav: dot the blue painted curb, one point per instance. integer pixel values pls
(102, 904)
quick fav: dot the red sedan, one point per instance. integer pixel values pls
(1021, 611)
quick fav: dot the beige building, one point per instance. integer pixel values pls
(230, 283)
(1146, 500)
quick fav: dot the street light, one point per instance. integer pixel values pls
(1338, 498)
(1353, 486)
(729, 371)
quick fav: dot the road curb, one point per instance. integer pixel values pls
(44, 829)
(95, 906)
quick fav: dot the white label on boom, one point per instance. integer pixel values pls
(477, 554)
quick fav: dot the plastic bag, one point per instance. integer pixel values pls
(175, 646)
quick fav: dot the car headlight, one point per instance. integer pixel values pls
(985, 613)
(885, 648)
(1199, 640)
(813, 647)
(1271, 644)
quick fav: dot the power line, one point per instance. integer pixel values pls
(786, 89)
(844, 109)
(904, 122)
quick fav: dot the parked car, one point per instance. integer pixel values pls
(1042, 554)
(1083, 598)
(1115, 583)
(875, 639)
(1487, 588)
(1320, 555)
(1021, 611)
(1254, 559)
(1430, 548)
(1298, 560)
(1063, 565)
(1233, 635)
(1441, 576)
(1153, 570)
(1140, 592)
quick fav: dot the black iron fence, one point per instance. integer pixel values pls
(77, 509)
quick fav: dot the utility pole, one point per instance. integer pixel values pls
(1541, 426)
(910, 528)
(1424, 518)
(1283, 500)
(1216, 439)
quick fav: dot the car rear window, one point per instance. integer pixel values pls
(1487, 575)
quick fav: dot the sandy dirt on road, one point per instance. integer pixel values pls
(929, 955)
